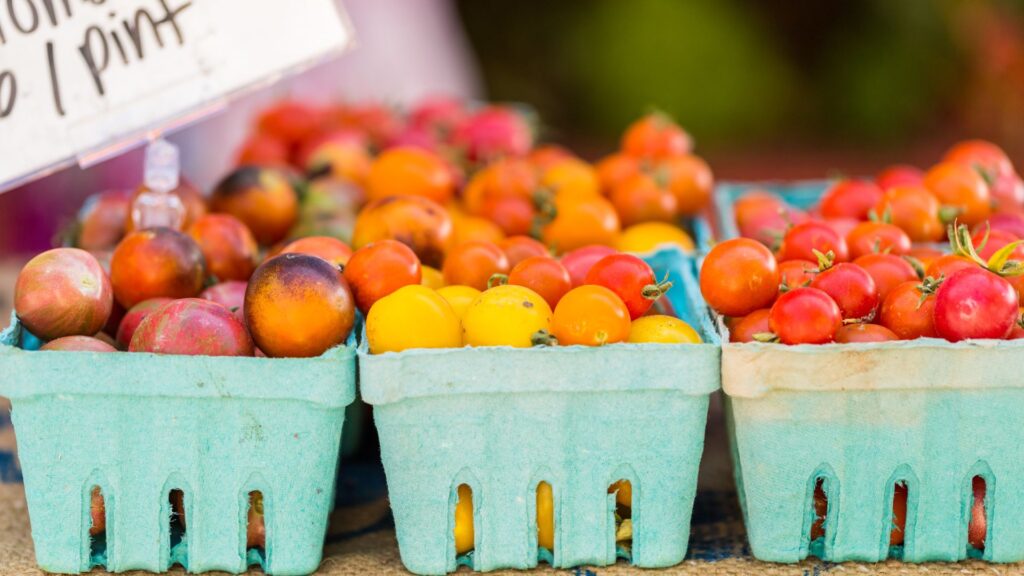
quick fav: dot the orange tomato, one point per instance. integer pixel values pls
(419, 223)
(961, 187)
(519, 248)
(639, 199)
(572, 179)
(546, 156)
(475, 229)
(613, 169)
(580, 223)
(410, 171)
(655, 136)
(914, 209)
(331, 249)
(472, 264)
(590, 316)
(509, 177)
(690, 179)
(544, 275)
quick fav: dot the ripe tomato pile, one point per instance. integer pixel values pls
(853, 269)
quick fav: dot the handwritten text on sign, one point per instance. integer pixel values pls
(79, 75)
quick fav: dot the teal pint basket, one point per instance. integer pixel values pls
(502, 420)
(861, 418)
(138, 426)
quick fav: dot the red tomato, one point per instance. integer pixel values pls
(744, 329)
(851, 333)
(915, 210)
(961, 187)
(899, 175)
(975, 303)
(870, 237)
(851, 287)
(908, 313)
(380, 268)
(473, 263)
(544, 275)
(631, 279)
(850, 199)
(513, 214)
(947, 265)
(519, 248)
(925, 255)
(888, 271)
(640, 199)
(1012, 223)
(797, 273)
(842, 226)
(996, 240)
(655, 136)
(739, 276)
(805, 316)
(580, 261)
(1006, 189)
(803, 239)
(1017, 332)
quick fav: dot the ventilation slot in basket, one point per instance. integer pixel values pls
(177, 530)
(463, 525)
(256, 531)
(545, 523)
(898, 520)
(819, 523)
(97, 528)
(623, 513)
(977, 525)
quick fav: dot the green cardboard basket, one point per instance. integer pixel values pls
(141, 425)
(502, 420)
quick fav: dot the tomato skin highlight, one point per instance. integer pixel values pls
(853, 333)
(805, 316)
(801, 240)
(908, 315)
(739, 276)
(975, 303)
(851, 287)
(628, 276)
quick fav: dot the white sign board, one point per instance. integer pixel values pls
(81, 76)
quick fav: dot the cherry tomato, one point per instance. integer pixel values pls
(263, 150)
(459, 297)
(631, 279)
(994, 240)
(961, 187)
(852, 289)
(888, 271)
(899, 175)
(908, 312)
(505, 178)
(545, 517)
(977, 528)
(506, 316)
(342, 154)
(805, 316)
(580, 222)
(412, 172)
(843, 226)
(651, 236)
(639, 199)
(924, 255)
(975, 303)
(690, 179)
(915, 210)
(1012, 223)
(572, 178)
(544, 275)
(331, 249)
(519, 248)
(291, 121)
(378, 269)
(750, 325)
(754, 204)
(412, 317)
(431, 277)
(870, 237)
(947, 265)
(851, 333)
(474, 229)
(590, 316)
(655, 136)
(546, 156)
(493, 132)
(899, 515)
(797, 273)
(464, 533)
(802, 240)
(1017, 332)
(662, 330)
(995, 166)
(850, 199)
(580, 261)
(614, 169)
(512, 214)
(419, 223)
(473, 264)
(739, 276)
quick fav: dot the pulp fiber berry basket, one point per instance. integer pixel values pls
(139, 426)
(858, 419)
(502, 420)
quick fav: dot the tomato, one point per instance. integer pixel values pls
(870, 237)
(464, 533)
(802, 240)
(544, 275)
(507, 316)
(888, 271)
(545, 517)
(331, 249)
(915, 210)
(947, 265)
(412, 172)
(755, 204)
(437, 113)
(987, 243)
(739, 276)
(474, 229)
(961, 187)
(459, 297)
(975, 303)
(581, 222)
(843, 226)
(851, 333)
(590, 316)
(493, 132)
(899, 175)
(506, 178)
(419, 223)
(750, 325)
(631, 279)
(995, 167)
(852, 289)
(572, 178)
(909, 312)
(291, 122)
(690, 179)
(378, 269)
(977, 527)
(473, 264)
(580, 261)
(924, 255)
(662, 329)
(650, 236)
(512, 214)
(639, 199)
(797, 273)
(614, 169)
(1012, 223)
(850, 199)
(412, 317)
(1017, 332)
(655, 136)
(519, 248)
(263, 150)
(431, 277)
(805, 316)
(899, 515)
(546, 156)
(342, 154)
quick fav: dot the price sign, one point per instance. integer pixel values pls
(81, 76)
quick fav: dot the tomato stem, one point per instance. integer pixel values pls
(655, 291)
(543, 338)
(497, 280)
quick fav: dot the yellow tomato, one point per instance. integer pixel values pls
(623, 491)
(663, 330)
(432, 278)
(464, 520)
(545, 517)
(506, 316)
(572, 178)
(649, 236)
(412, 317)
(460, 297)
